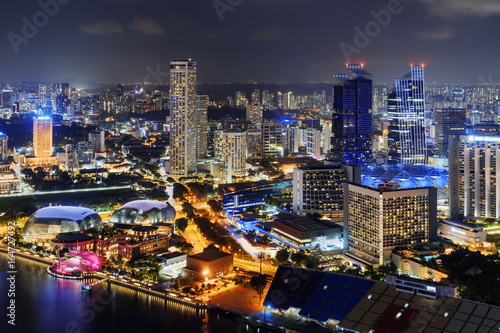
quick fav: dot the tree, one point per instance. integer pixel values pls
(188, 209)
(179, 191)
(185, 247)
(281, 256)
(214, 205)
(181, 223)
(298, 257)
(311, 262)
(259, 283)
(211, 247)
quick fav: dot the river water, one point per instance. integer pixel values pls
(49, 305)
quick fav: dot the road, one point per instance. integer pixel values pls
(110, 188)
(254, 266)
(194, 237)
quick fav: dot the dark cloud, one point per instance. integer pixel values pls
(147, 26)
(268, 41)
(439, 33)
(107, 27)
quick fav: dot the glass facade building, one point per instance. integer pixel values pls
(144, 212)
(59, 219)
(352, 127)
(407, 122)
(449, 121)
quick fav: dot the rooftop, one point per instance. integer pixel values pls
(73, 213)
(210, 255)
(362, 305)
(303, 223)
(144, 205)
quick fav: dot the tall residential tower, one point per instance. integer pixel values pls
(182, 117)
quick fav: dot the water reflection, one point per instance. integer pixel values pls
(47, 304)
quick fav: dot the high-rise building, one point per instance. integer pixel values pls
(326, 143)
(254, 112)
(320, 189)
(43, 94)
(449, 121)
(8, 98)
(474, 163)
(378, 220)
(119, 90)
(96, 139)
(352, 127)
(409, 119)
(255, 96)
(267, 99)
(182, 117)
(230, 150)
(42, 137)
(254, 143)
(289, 101)
(240, 99)
(3, 146)
(272, 141)
(202, 103)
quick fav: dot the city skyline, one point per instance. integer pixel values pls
(135, 44)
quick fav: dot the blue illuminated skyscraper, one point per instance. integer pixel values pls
(352, 127)
(407, 123)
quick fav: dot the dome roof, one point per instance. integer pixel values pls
(144, 211)
(144, 205)
(72, 213)
(60, 219)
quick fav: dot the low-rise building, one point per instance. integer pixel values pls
(137, 249)
(301, 232)
(208, 265)
(463, 233)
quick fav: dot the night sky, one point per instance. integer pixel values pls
(264, 40)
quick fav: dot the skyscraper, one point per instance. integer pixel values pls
(408, 121)
(352, 127)
(202, 103)
(42, 138)
(254, 112)
(182, 117)
(230, 149)
(3, 146)
(272, 141)
(320, 189)
(96, 139)
(449, 121)
(474, 163)
(378, 220)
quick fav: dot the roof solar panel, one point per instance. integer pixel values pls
(321, 317)
(341, 312)
(366, 285)
(330, 278)
(355, 283)
(352, 301)
(299, 302)
(331, 308)
(343, 280)
(313, 305)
